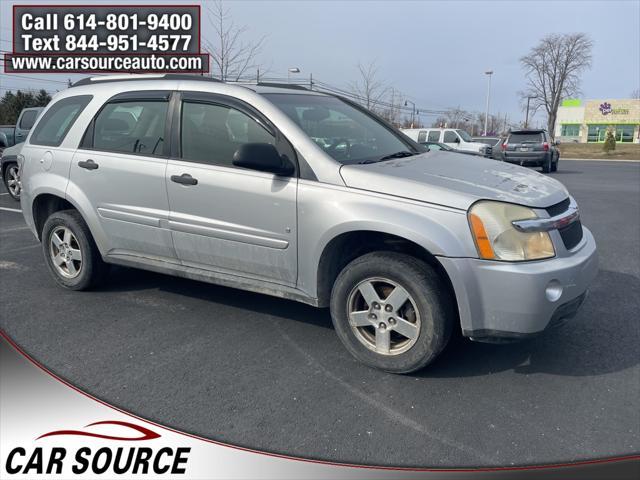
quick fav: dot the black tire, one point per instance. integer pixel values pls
(92, 270)
(547, 165)
(427, 290)
(9, 175)
(554, 167)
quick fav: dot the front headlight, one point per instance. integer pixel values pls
(497, 239)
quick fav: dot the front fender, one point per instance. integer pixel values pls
(327, 211)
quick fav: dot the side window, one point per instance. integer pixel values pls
(58, 119)
(450, 137)
(422, 136)
(135, 126)
(28, 119)
(212, 133)
(434, 136)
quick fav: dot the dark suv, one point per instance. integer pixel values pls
(531, 148)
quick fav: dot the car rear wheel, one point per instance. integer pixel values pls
(12, 181)
(70, 251)
(547, 165)
(392, 311)
(554, 167)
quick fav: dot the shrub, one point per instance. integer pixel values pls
(609, 141)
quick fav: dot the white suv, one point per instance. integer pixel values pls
(451, 137)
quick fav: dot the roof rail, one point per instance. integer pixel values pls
(282, 85)
(128, 77)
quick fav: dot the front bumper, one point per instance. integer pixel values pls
(502, 300)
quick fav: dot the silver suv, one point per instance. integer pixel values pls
(307, 196)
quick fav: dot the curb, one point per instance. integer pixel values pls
(628, 160)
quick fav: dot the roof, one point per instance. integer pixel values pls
(259, 87)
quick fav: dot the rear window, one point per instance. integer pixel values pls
(526, 138)
(28, 119)
(58, 119)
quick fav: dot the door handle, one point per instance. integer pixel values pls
(184, 179)
(88, 164)
(19, 134)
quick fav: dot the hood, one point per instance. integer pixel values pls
(455, 180)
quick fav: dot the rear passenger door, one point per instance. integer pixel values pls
(120, 168)
(224, 218)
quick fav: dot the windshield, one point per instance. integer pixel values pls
(465, 136)
(342, 131)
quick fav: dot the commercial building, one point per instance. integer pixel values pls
(588, 121)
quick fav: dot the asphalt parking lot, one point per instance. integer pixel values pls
(271, 374)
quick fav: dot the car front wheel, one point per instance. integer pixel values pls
(12, 181)
(392, 311)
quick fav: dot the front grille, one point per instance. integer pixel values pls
(558, 208)
(571, 234)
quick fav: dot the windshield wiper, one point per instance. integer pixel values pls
(401, 154)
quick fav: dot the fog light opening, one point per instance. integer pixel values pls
(553, 291)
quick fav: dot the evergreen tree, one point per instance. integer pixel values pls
(609, 141)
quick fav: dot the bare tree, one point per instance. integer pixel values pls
(636, 94)
(232, 56)
(392, 109)
(368, 87)
(553, 69)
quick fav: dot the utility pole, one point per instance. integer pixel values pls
(526, 118)
(489, 73)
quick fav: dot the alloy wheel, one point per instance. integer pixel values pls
(383, 316)
(65, 252)
(13, 181)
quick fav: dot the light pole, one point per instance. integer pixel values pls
(489, 73)
(526, 118)
(413, 110)
(290, 71)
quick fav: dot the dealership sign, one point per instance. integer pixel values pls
(606, 109)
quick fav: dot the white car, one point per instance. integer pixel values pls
(452, 137)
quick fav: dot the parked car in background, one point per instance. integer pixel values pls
(25, 122)
(4, 142)
(495, 143)
(9, 156)
(10, 171)
(403, 245)
(451, 137)
(434, 146)
(531, 148)
(9, 132)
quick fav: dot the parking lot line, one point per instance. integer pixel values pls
(5, 193)
(17, 210)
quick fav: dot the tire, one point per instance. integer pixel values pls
(11, 181)
(426, 317)
(554, 167)
(547, 165)
(72, 270)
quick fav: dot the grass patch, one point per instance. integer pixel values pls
(623, 151)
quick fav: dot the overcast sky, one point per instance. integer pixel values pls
(435, 52)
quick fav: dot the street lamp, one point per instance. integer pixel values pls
(290, 71)
(489, 73)
(413, 109)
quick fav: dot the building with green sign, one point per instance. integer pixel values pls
(589, 120)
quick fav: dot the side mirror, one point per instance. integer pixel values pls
(263, 157)
(457, 140)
